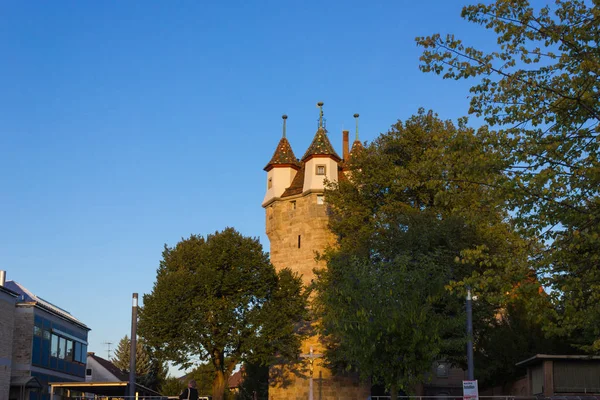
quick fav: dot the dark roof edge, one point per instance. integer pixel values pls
(537, 357)
(51, 311)
(8, 291)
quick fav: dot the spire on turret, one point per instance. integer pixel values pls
(321, 118)
(356, 145)
(284, 155)
(320, 144)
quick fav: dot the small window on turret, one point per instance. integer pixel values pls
(270, 183)
(293, 204)
(320, 170)
(320, 199)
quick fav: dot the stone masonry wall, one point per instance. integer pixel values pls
(285, 222)
(7, 319)
(23, 339)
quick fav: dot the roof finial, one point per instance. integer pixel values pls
(284, 118)
(356, 118)
(321, 119)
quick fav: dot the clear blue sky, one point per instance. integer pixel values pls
(128, 125)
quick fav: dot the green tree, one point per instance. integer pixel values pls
(219, 299)
(149, 371)
(172, 386)
(255, 384)
(540, 83)
(420, 214)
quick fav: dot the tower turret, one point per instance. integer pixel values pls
(282, 168)
(320, 160)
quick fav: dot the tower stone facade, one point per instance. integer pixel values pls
(297, 227)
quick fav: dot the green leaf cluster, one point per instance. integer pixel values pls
(422, 215)
(219, 299)
(541, 85)
(149, 370)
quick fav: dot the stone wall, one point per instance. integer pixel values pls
(297, 228)
(7, 319)
(297, 232)
(23, 338)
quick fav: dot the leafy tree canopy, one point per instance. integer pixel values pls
(541, 86)
(149, 371)
(218, 298)
(422, 215)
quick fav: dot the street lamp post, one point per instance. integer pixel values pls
(470, 366)
(132, 350)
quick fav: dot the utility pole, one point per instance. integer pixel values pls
(107, 349)
(470, 366)
(132, 351)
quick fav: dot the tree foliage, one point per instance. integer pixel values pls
(255, 384)
(218, 298)
(421, 216)
(541, 86)
(149, 371)
(171, 386)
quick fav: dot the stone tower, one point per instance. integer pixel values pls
(297, 227)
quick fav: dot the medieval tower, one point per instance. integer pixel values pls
(297, 227)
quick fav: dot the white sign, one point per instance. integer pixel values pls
(470, 391)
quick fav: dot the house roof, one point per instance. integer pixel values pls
(235, 380)
(283, 156)
(110, 367)
(320, 146)
(25, 296)
(540, 357)
(8, 291)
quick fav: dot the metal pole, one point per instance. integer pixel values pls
(132, 350)
(470, 366)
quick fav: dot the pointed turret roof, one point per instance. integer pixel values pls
(357, 146)
(284, 155)
(320, 146)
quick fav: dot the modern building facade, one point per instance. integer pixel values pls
(8, 300)
(48, 344)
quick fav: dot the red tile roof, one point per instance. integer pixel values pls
(235, 380)
(283, 155)
(356, 146)
(320, 146)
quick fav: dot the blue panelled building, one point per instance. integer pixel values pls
(48, 345)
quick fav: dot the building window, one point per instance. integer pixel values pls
(270, 183)
(54, 346)
(293, 204)
(320, 170)
(441, 370)
(88, 372)
(298, 241)
(62, 348)
(69, 353)
(37, 330)
(320, 199)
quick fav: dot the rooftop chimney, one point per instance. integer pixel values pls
(345, 146)
(2, 278)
